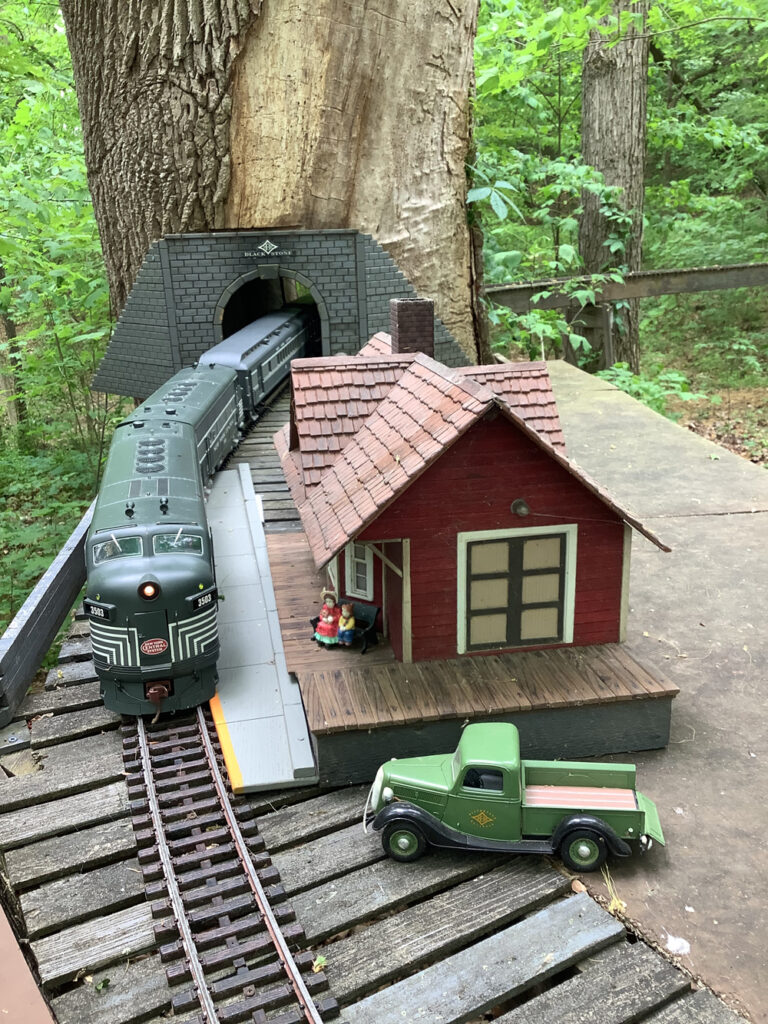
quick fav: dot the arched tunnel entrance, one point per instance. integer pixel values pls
(267, 291)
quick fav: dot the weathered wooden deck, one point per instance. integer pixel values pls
(449, 937)
(442, 941)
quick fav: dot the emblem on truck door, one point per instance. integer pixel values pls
(482, 819)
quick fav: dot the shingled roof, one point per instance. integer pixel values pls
(417, 418)
(332, 398)
(334, 395)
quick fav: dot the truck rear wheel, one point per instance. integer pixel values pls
(583, 850)
(403, 841)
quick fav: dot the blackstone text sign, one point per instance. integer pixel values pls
(268, 249)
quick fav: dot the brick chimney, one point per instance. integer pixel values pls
(412, 325)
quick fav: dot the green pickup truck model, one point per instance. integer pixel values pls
(484, 797)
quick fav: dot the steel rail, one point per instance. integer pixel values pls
(281, 947)
(179, 912)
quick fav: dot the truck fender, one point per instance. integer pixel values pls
(402, 811)
(615, 843)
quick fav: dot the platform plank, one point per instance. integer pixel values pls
(438, 927)
(616, 986)
(495, 969)
(86, 947)
(381, 695)
(65, 855)
(82, 896)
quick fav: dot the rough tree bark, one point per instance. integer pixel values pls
(10, 382)
(613, 126)
(206, 114)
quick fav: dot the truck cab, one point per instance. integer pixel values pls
(485, 797)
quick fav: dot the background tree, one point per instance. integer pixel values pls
(254, 113)
(614, 88)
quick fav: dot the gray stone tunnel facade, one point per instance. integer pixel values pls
(177, 304)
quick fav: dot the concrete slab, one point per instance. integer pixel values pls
(698, 614)
(258, 711)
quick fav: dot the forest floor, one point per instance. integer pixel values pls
(739, 423)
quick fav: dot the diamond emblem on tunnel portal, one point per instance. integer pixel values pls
(482, 819)
(267, 247)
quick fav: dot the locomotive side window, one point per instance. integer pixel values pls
(178, 543)
(116, 547)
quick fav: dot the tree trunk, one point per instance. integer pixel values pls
(10, 380)
(205, 114)
(613, 127)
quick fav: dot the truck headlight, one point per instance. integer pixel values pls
(387, 795)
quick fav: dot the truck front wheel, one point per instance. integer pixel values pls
(403, 841)
(583, 850)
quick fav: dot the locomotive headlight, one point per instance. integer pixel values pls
(149, 591)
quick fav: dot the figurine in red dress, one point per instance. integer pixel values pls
(327, 629)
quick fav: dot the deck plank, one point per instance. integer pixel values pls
(617, 986)
(44, 732)
(495, 969)
(129, 992)
(327, 857)
(313, 818)
(48, 784)
(58, 817)
(380, 887)
(81, 897)
(56, 702)
(53, 858)
(700, 1008)
(94, 944)
(449, 921)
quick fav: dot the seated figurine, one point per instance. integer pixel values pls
(346, 632)
(327, 629)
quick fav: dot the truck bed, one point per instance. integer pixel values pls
(595, 798)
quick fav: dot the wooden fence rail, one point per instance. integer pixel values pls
(26, 641)
(641, 284)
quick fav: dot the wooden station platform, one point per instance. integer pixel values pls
(363, 709)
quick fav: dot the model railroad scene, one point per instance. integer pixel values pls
(407, 664)
(158, 865)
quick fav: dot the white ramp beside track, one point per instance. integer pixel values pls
(257, 709)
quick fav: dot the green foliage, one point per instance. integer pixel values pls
(53, 297)
(653, 389)
(706, 179)
(41, 500)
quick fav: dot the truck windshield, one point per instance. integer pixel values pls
(116, 547)
(178, 543)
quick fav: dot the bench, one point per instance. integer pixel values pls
(365, 622)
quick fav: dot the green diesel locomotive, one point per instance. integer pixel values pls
(151, 591)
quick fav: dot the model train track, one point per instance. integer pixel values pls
(226, 948)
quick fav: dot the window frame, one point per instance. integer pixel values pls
(350, 561)
(463, 540)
